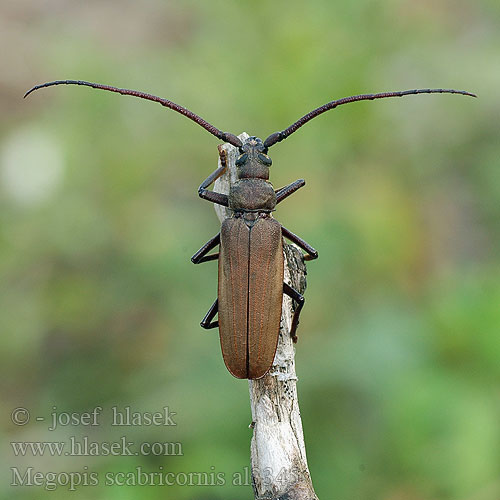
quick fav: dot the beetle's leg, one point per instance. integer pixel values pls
(207, 322)
(201, 255)
(311, 253)
(299, 298)
(286, 191)
(203, 192)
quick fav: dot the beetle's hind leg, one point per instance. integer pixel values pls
(311, 253)
(299, 298)
(203, 192)
(201, 255)
(207, 322)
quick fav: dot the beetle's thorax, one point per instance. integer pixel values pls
(252, 192)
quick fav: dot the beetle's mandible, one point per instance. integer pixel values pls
(251, 263)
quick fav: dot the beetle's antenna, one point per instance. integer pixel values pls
(279, 136)
(224, 136)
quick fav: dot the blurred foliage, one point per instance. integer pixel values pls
(399, 353)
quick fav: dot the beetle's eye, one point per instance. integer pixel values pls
(241, 159)
(265, 159)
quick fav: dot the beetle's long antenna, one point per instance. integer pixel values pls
(224, 136)
(279, 136)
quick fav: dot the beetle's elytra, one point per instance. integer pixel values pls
(250, 242)
(251, 314)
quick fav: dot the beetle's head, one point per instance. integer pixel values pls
(253, 161)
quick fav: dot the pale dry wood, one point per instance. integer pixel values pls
(278, 453)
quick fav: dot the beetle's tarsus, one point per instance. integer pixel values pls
(311, 256)
(209, 326)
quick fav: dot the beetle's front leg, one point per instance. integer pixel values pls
(299, 298)
(286, 191)
(311, 253)
(203, 192)
(201, 255)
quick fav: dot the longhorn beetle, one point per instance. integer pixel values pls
(251, 263)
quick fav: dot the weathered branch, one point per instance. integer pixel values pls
(278, 453)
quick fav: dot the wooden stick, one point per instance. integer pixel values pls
(278, 453)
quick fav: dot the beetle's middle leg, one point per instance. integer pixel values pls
(203, 192)
(299, 298)
(311, 253)
(207, 322)
(201, 255)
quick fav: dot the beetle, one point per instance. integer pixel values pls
(251, 262)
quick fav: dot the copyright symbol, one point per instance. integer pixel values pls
(20, 416)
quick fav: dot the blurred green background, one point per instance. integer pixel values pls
(399, 352)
